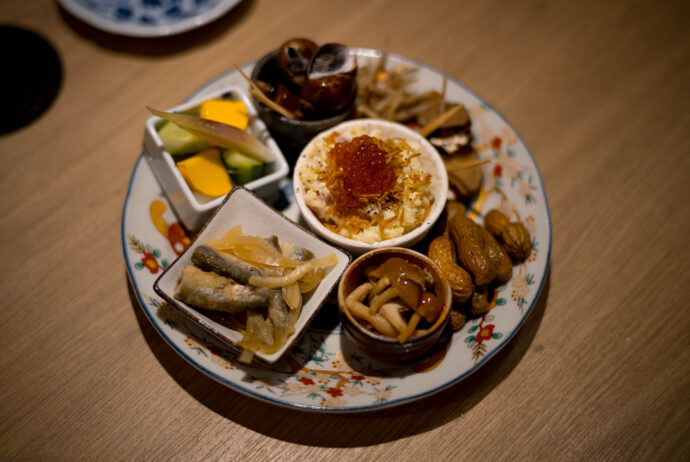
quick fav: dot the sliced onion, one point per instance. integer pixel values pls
(294, 275)
(225, 238)
(310, 280)
(292, 296)
(255, 250)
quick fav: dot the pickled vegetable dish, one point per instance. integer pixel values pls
(212, 148)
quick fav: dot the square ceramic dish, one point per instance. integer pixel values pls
(192, 208)
(241, 207)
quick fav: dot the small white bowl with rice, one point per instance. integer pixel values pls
(366, 184)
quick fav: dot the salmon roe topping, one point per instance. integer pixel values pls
(363, 170)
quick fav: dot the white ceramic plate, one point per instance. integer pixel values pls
(323, 372)
(146, 18)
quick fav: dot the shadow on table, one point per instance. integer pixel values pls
(329, 430)
(153, 46)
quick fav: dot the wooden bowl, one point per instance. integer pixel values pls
(376, 345)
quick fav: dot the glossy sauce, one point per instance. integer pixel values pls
(430, 306)
(407, 279)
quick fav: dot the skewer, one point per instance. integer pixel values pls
(445, 76)
(438, 121)
(258, 94)
(443, 93)
(465, 163)
(380, 65)
(393, 106)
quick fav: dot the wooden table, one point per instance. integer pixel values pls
(601, 369)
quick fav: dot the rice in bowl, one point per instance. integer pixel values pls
(366, 185)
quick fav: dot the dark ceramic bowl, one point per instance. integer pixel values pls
(292, 135)
(378, 346)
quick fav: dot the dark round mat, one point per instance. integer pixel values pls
(32, 76)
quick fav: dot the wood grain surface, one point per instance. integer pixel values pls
(599, 91)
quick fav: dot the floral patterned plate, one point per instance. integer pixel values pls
(323, 372)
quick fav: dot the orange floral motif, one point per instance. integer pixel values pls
(485, 333)
(178, 238)
(221, 361)
(334, 402)
(150, 263)
(352, 391)
(175, 234)
(335, 392)
(383, 394)
(524, 189)
(531, 225)
(294, 387)
(306, 380)
(508, 135)
(520, 285)
(150, 256)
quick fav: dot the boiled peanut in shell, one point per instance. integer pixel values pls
(512, 235)
(480, 302)
(457, 320)
(499, 257)
(472, 253)
(442, 252)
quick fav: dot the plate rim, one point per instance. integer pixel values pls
(360, 408)
(129, 30)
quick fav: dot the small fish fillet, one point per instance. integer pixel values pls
(211, 291)
(296, 252)
(277, 309)
(209, 259)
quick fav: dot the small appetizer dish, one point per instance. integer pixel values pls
(306, 89)
(394, 304)
(367, 184)
(201, 149)
(252, 278)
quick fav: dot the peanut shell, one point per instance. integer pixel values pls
(499, 257)
(442, 252)
(472, 254)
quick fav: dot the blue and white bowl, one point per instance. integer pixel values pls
(147, 18)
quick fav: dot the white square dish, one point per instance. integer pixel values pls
(241, 207)
(192, 208)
